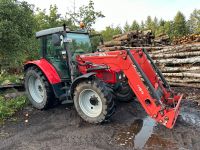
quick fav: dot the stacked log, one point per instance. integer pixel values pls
(180, 64)
(162, 40)
(134, 38)
(193, 38)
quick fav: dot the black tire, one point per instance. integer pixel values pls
(103, 96)
(124, 93)
(46, 100)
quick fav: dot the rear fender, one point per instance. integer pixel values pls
(79, 79)
(48, 70)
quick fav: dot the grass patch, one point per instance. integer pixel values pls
(9, 107)
(10, 78)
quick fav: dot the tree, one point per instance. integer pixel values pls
(45, 21)
(110, 31)
(86, 14)
(17, 26)
(135, 25)
(194, 21)
(161, 22)
(127, 27)
(154, 25)
(168, 28)
(142, 25)
(180, 27)
(148, 23)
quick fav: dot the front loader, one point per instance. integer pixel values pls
(70, 71)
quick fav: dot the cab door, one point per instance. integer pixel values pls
(56, 55)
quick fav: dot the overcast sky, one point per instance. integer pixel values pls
(117, 12)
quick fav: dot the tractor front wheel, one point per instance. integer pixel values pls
(38, 89)
(93, 101)
(124, 93)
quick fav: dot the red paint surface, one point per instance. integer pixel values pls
(49, 71)
(119, 60)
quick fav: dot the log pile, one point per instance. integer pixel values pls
(180, 64)
(193, 38)
(134, 38)
(162, 40)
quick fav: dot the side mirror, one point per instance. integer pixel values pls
(56, 41)
(101, 40)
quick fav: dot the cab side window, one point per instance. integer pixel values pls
(53, 52)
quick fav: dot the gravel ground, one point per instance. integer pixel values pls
(61, 128)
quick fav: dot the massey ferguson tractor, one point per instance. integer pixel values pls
(70, 71)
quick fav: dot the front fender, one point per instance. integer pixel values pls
(79, 79)
(48, 70)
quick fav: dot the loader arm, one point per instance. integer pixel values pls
(144, 78)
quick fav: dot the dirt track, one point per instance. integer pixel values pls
(129, 128)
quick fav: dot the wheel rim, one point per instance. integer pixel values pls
(36, 89)
(90, 103)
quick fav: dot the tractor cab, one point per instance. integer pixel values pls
(59, 46)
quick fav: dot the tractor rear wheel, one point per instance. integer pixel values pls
(93, 101)
(38, 89)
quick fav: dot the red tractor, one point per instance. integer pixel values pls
(70, 71)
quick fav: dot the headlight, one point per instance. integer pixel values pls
(120, 77)
(124, 76)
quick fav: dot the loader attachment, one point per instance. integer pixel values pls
(167, 103)
(145, 80)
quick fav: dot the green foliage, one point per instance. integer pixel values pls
(17, 26)
(148, 23)
(176, 28)
(110, 31)
(180, 27)
(142, 25)
(135, 25)
(45, 21)
(96, 40)
(168, 28)
(194, 21)
(154, 25)
(86, 14)
(8, 78)
(151, 24)
(127, 27)
(10, 106)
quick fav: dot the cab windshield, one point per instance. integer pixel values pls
(78, 43)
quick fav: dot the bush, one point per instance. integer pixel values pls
(8, 79)
(9, 107)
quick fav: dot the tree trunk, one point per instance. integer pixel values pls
(183, 54)
(183, 80)
(179, 69)
(114, 43)
(181, 48)
(123, 37)
(191, 60)
(194, 75)
(185, 84)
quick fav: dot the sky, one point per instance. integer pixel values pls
(118, 12)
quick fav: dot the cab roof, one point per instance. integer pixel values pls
(56, 30)
(50, 31)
